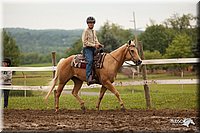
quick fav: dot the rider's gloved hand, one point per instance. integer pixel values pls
(97, 46)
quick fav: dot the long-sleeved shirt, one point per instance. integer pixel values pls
(89, 38)
(6, 77)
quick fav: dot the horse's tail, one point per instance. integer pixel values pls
(54, 81)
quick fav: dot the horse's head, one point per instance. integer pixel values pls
(132, 53)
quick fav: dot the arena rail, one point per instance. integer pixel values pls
(144, 62)
(142, 82)
(84, 86)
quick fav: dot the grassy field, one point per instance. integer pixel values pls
(43, 78)
(162, 97)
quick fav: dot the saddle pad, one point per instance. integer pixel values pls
(79, 61)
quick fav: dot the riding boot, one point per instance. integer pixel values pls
(91, 80)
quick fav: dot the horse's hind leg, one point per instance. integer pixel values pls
(102, 92)
(58, 92)
(77, 86)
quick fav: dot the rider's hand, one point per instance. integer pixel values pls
(101, 45)
(97, 45)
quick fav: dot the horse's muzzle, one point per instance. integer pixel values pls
(137, 63)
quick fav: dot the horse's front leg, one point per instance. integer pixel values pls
(77, 86)
(110, 87)
(102, 92)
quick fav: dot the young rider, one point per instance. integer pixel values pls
(90, 43)
(6, 77)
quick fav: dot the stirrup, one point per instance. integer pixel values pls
(93, 81)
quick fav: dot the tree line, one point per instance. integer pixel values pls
(176, 37)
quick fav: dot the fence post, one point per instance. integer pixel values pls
(144, 75)
(54, 64)
(24, 83)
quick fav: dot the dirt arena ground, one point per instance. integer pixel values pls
(110, 120)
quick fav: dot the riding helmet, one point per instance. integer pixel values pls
(90, 20)
(7, 60)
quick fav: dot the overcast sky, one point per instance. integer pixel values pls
(72, 15)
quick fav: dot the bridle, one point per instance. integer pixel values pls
(127, 50)
(132, 56)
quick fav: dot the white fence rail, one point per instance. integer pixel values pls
(69, 87)
(167, 61)
(147, 62)
(156, 61)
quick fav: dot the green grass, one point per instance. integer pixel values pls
(121, 77)
(33, 78)
(162, 97)
(43, 78)
(37, 65)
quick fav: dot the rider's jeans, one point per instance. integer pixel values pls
(89, 55)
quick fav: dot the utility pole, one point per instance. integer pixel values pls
(136, 41)
(144, 71)
(134, 22)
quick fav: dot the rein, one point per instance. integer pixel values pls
(127, 50)
(113, 57)
(125, 54)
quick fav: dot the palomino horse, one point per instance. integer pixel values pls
(112, 62)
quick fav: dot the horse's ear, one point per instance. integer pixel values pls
(129, 42)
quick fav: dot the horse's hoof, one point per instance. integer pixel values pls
(57, 108)
(83, 109)
(98, 111)
(123, 109)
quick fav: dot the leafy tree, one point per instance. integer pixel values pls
(184, 24)
(113, 36)
(180, 23)
(152, 55)
(76, 48)
(110, 41)
(180, 47)
(156, 37)
(31, 58)
(10, 49)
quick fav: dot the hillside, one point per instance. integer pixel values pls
(44, 41)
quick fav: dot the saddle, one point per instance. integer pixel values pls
(79, 60)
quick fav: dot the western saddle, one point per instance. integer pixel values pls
(79, 61)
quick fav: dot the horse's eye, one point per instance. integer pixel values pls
(132, 51)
